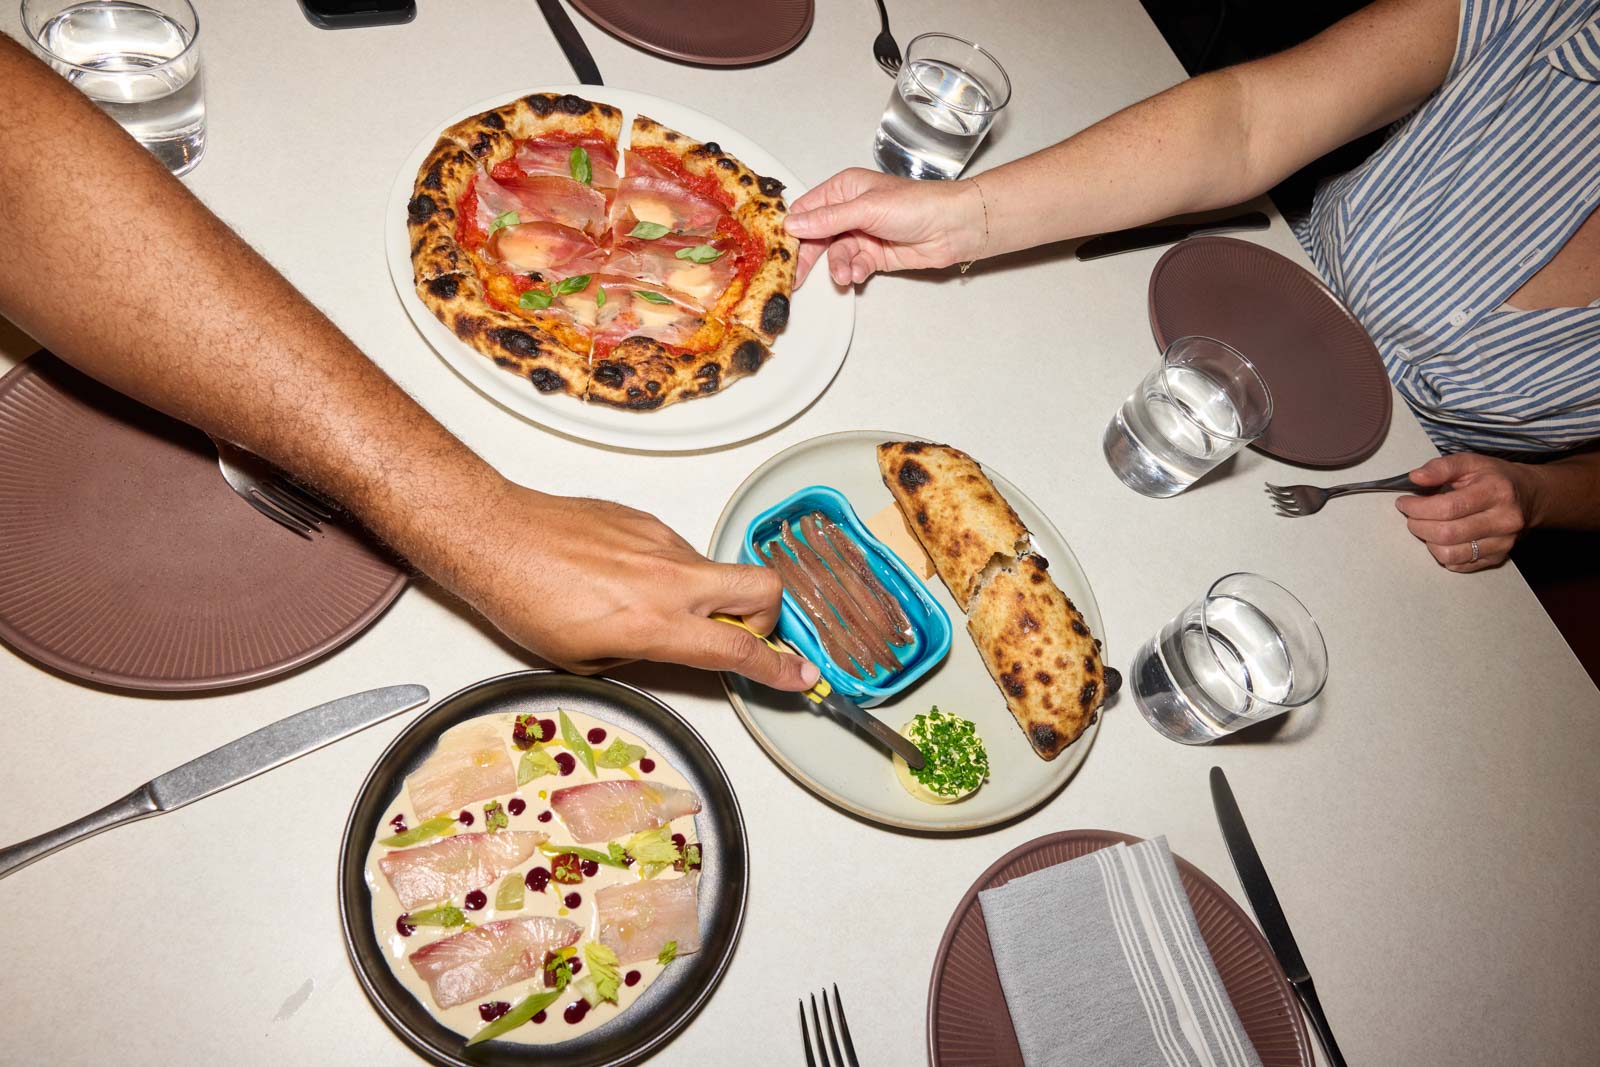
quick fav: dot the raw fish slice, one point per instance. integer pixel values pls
(471, 763)
(446, 869)
(637, 920)
(606, 811)
(467, 965)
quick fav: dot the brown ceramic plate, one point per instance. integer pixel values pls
(969, 1026)
(720, 33)
(125, 559)
(1330, 395)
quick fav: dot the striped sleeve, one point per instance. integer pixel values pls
(1481, 21)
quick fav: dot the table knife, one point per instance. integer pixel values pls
(572, 45)
(1111, 244)
(237, 761)
(1264, 902)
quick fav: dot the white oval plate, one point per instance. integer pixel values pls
(841, 765)
(805, 357)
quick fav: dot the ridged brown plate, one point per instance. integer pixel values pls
(1331, 398)
(722, 33)
(672, 1000)
(125, 559)
(969, 1026)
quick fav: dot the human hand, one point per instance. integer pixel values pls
(870, 222)
(589, 584)
(1489, 501)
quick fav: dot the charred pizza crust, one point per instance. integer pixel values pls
(1038, 648)
(763, 304)
(491, 136)
(963, 522)
(641, 374)
(514, 343)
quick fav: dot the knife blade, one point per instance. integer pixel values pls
(572, 45)
(880, 731)
(1131, 240)
(1269, 913)
(240, 760)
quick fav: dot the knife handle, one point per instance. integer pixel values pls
(139, 804)
(1319, 1022)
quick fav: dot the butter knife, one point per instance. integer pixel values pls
(572, 45)
(1111, 244)
(237, 761)
(1269, 913)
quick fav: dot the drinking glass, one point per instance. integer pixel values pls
(1202, 403)
(944, 101)
(1245, 651)
(140, 62)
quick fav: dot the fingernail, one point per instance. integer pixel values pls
(809, 673)
(795, 223)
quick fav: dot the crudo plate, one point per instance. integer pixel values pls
(843, 767)
(805, 356)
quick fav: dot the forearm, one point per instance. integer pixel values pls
(1566, 492)
(118, 269)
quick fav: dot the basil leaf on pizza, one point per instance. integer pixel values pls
(578, 164)
(534, 300)
(699, 254)
(649, 231)
(575, 284)
(600, 296)
(504, 219)
(654, 298)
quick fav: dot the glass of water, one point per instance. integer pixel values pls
(944, 101)
(139, 61)
(1244, 652)
(1202, 403)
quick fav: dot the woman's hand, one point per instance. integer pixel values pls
(869, 222)
(1489, 501)
(588, 584)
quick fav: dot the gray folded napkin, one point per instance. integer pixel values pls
(1102, 964)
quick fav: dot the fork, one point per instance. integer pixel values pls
(883, 46)
(270, 491)
(849, 1057)
(1297, 500)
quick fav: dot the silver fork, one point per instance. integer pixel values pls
(849, 1057)
(1297, 500)
(883, 46)
(271, 492)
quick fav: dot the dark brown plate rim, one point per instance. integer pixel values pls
(1106, 838)
(691, 57)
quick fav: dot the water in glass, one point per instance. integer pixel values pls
(1196, 686)
(935, 120)
(1165, 437)
(132, 61)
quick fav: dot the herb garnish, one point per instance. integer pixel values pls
(526, 1009)
(612, 858)
(599, 296)
(444, 915)
(435, 826)
(669, 952)
(957, 762)
(620, 754)
(534, 300)
(509, 896)
(648, 231)
(504, 219)
(699, 254)
(570, 733)
(578, 164)
(604, 969)
(495, 817)
(654, 298)
(536, 763)
(575, 284)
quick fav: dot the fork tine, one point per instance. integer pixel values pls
(816, 1024)
(275, 495)
(833, 1036)
(282, 518)
(844, 1028)
(314, 502)
(1287, 510)
(805, 1036)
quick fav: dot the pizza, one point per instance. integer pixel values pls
(634, 277)
(1034, 641)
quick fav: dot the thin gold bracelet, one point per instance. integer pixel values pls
(984, 245)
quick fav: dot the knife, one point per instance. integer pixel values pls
(237, 761)
(842, 706)
(1264, 902)
(572, 45)
(1111, 244)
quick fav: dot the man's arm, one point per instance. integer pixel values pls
(1208, 142)
(113, 265)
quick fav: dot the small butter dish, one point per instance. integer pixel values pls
(930, 625)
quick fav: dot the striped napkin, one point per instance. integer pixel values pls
(1102, 964)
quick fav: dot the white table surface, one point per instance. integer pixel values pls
(1429, 827)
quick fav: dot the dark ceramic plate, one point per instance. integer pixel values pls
(970, 1026)
(720, 33)
(672, 999)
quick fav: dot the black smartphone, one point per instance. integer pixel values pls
(343, 14)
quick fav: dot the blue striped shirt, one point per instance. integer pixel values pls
(1469, 197)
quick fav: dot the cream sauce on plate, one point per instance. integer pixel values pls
(464, 1019)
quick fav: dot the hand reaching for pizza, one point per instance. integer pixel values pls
(589, 584)
(869, 222)
(1489, 501)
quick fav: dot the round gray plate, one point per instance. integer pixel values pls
(843, 767)
(672, 999)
